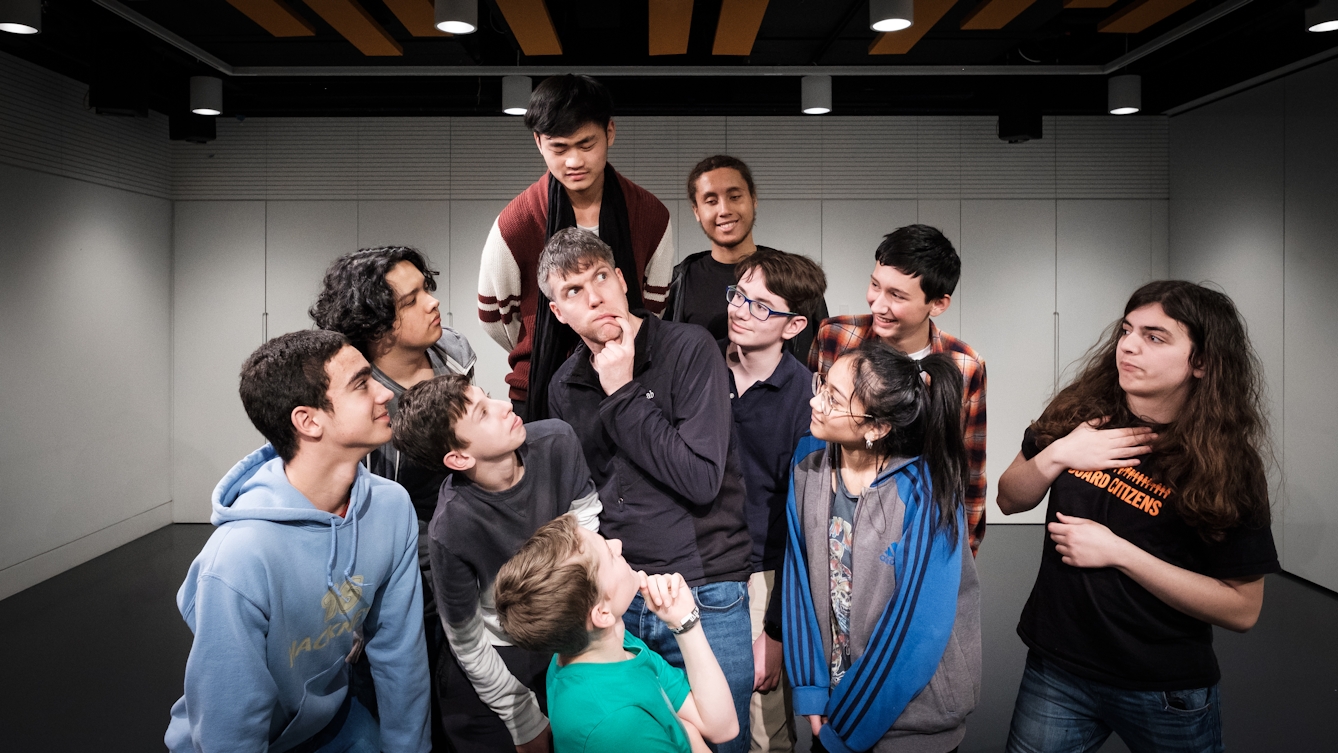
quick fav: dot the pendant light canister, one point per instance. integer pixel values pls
(1124, 94)
(21, 16)
(1322, 16)
(816, 95)
(515, 94)
(206, 95)
(891, 15)
(457, 16)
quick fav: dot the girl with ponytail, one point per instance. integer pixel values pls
(881, 601)
(1158, 529)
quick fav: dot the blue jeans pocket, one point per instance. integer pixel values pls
(721, 597)
(1188, 702)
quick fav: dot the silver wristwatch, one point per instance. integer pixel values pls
(688, 622)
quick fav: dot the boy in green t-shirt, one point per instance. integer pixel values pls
(565, 592)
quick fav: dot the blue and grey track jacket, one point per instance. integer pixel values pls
(914, 616)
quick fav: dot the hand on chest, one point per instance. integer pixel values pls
(1126, 500)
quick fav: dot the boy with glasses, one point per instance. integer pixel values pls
(772, 302)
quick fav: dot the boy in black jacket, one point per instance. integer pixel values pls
(649, 401)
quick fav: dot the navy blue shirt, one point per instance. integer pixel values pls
(769, 419)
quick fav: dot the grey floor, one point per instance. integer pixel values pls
(93, 658)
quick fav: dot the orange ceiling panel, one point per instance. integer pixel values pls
(417, 16)
(737, 28)
(927, 13)
(670, 22)
(994, 14)
(1140, 15)
(276, 17)
(1088, 3)
(532, 26)
(352, 20)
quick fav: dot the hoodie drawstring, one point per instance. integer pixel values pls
(334, 549)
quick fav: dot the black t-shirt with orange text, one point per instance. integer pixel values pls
(1100, 624)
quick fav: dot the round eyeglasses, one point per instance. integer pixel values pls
(759, 310)
(828, 403)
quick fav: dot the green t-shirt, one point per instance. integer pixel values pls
(619, 706)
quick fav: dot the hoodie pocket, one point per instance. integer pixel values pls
(322, 696)
(944, 703)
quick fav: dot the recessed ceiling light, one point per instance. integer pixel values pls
(1323, 16)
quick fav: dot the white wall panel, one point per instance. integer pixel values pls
(792, 157)
(1227, 229)
(470, 223)
(790, 225)
(1310, 432)
(84, 322)
(301, 239)
(218, 299)
(424, 225)
(47, 126)
(1107, 249)
(851, 232)
(1007, 309)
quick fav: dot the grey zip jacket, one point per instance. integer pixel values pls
(914, 612)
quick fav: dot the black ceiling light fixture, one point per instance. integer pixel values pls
(206, 95)
(457, 16)
(515, 94)
(1124, 94)
(891, 15)
(21, 16)
(816, 95)
(1322, 16)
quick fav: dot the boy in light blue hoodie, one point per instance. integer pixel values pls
(314, 563)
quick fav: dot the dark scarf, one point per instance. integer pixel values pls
(553, 340)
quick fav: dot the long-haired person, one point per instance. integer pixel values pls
(882, 604)
(1158, 529)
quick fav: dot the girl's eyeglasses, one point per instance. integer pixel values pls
(828, 403)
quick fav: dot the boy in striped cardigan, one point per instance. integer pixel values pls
(572, 120)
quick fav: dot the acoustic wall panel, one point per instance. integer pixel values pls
(791, 157)
(46, 125)
(84, 318)
(1310, 425)
(424, 225)
(301, 239)
(851, 231)
(1227, 230)
(218, 304)
(1007, 300)
(1107, 249)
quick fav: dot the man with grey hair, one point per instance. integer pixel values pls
(649, 400)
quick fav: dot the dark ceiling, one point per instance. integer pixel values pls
(86, 41)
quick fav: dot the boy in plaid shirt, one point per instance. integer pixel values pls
(914, 275)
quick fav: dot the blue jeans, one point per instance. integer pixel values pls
(725, 621)
(1058, 712)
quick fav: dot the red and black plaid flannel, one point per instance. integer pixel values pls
(839, 334)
